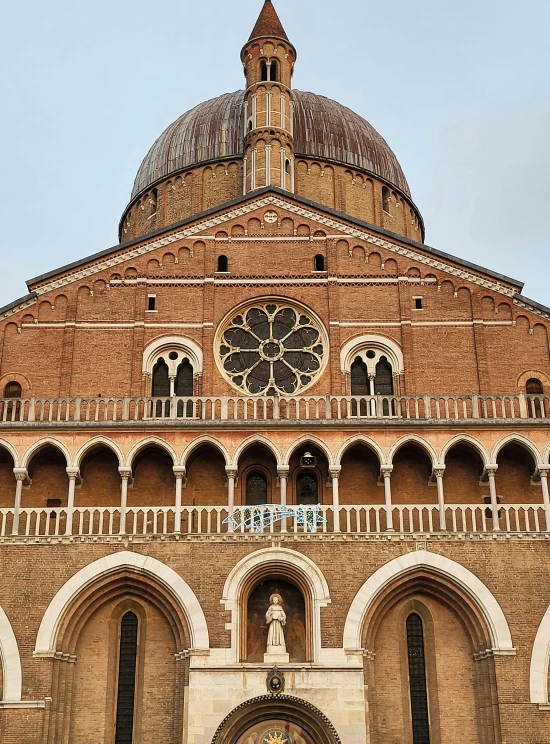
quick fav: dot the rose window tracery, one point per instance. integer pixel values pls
(272, 348)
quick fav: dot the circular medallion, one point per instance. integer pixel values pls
(271, 217)
(275, 736)
(272, 348)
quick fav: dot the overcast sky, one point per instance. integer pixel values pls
(460, 90)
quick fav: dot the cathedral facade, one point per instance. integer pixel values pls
(273, 470)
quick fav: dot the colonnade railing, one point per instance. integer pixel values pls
(266, 408)
(213, 520)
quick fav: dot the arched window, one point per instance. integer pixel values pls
(183, 387)
(274, 69)
(417, 680)
(126, 690)
(383, 382)
(256, 489)
(13, 390)
(263, 71)
(359, 378)
(307, 490)
(319, 262)
(386, 199)
(532, 387)
(161, 380)
(222, 264)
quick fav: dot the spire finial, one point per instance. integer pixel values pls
(268, 23)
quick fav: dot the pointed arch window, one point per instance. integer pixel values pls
(274, 70)
(359, 378)
(418, 688)
(161, 380)
(383, 382)
(184, 380)
(256, 489)
(126, 686)
(264, 71)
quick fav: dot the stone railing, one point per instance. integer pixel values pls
(212, 520)
(300, 408)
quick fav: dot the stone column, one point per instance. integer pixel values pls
(283, 480)
(231, 478)
(543, 472)
(386, 471)
(125, 474)
(179, 472)
(335, 475)
(73, 474)
(21, 475)
(439, 473)
(491, 474)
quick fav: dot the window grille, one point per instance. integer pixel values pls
(417, 680)
(256, 489)
(161, 380)
(307, 489)
(126, 692)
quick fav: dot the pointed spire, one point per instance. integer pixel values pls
(268, 23)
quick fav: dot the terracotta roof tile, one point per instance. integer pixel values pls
(268, 23)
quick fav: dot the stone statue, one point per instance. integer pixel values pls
(297, 739)
(252, 739)
(276, 619)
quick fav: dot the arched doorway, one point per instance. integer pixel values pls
(281, 719)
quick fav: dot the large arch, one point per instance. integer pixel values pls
(151, 442)
(41, 444)
(170, 343)
(206, 439)
(4, 444)
(520, 440)
(261, 708)
(367, 442)
(540, 661)
(12, 674)
(413, 439)
(389, 347)
(464, 579)
(465, 439)
(309, 439)
(250, 442)
(260, 562)
(180, 591)
(98, 442)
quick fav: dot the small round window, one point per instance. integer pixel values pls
(272, 348)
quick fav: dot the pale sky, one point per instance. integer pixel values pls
(460, 90)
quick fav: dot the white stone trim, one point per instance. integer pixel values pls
(251, 441)
(164, 345)
(387, 346)
(467, 439)
(306, 439)
(522, 442)
(360, 439)
(186, 599)
(151, 442)
(413, 439)
(540, 659)
(40, 444)
(312, 574)
(12, 674)
(95, 442)
(11, 449)
(199, 442)
(468, 583)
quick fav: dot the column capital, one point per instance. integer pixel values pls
(491, 469)
(125, 473)
(179, 471)
(335, 471)
(386, 470)
(439, 472)
(283, 471)
(73, 473)
(543, 470)
(21, 474)
(230, 471)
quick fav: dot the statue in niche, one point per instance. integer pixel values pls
(252, 739)
(297, 739)
(276, 619)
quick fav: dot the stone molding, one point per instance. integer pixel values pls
(540, 659)
(12, 674)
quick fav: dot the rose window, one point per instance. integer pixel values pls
(272, 348)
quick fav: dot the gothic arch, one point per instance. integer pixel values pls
(250, 442)
(151, 442)
(45, 442)
(171, 343)
(179, 590)
(464, 579)
(311, 439)
(206, 439)
(260, 563)
(11, 661)
(381, 343)
(263, 707)
(520, 440)
(540, 660)
(465, 439)
(360, 439)
(98, 442)
(4, 444)
(413, 439)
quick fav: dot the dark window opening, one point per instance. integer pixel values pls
(287, 167)
(383, 382)
(151, 303)
(13, 390)
(360, 385)
(250, 125)
(533, 387)
(417, 680)
(184, 380)
(307, 489)
(418, 303)
(386, 199)
(126, 692)
(161, 380)
(256, 489)
(223, 264)
(274, 70)
(319, 263)
(264, 71)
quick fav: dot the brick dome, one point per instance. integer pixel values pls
(323, 129)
